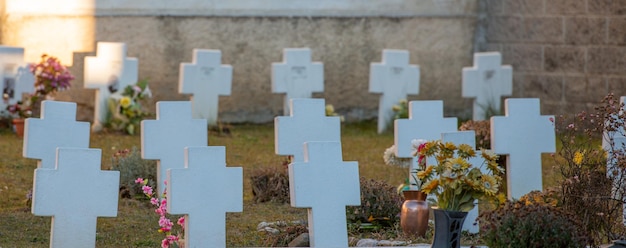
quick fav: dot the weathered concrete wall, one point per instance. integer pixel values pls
(441, 44)
(568, 53)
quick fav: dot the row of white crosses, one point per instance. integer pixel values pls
(522, 135)
(199, 185)
(15, 76)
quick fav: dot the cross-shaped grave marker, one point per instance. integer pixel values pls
(206, 78)
(325, 185)
(487, 81)
(394, 78)
(75, 193)
(426, 122)
(204, 191)
(307, 121)
(523, 134)
(297, 76)
(15, 77)
(612, 141)
(110, 71)
(469, 138)
(57, 127)
(165, 138)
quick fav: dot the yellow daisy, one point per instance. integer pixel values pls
(578, 158)
(490, 185)
(430, 186)
(125, 102)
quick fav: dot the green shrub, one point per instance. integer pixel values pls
(270, 185)
(131, 166)
(380, 202)
(532, 221)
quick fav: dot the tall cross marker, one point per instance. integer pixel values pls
(523, 134)
(612, 141)
(207, 79)
(75, 193)
(165, 138)
(426, 122)
(394, 78)
(204, 191)
(297, 76)
(110, 71)
(487, 81)
(325, 185)
(307, 122)
(56, 128)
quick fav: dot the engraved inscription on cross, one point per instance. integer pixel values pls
(307, 122)
(204, 191)
(426, 122)
(110, 71)
(75, 193)
(297, 76)
(394, 78)
(325, 185)
(165, 138)
(487, 81)
(207, 79)
(523, 134)
(57, 127)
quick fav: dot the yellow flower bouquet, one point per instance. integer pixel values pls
(454, 180)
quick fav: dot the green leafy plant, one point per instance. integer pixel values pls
(380, 204)
(454, 181)
(533, 221)
(125, 108)
(130, 165)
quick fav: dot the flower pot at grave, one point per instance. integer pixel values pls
(414, 213)
(448, 226)
(19, 127)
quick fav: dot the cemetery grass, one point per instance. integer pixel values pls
(247, 146)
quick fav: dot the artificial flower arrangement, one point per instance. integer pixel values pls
(420, 174)
(165, 224)
(125, 108)
(454, 181)
(21, 109)
(50, 76)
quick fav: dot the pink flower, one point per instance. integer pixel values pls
(147, 190)
(165, 223)
(181, 222)
(139, 180)
(165, 243)
(154, 201)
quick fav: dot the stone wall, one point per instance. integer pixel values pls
(567, 53)
(438, 33)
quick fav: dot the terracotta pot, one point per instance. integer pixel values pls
(414, 213)
(448, 226)
(19, 127)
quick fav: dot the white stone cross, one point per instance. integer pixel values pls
(487, 81)
(469, 138)
(110, 71)
(297, 76)
(615, 141)
(204, 191)
(15, 77)
(426, 122)
(394, 78)
(57, 127)
(307, 122)
(325, 185)
(207, 79)
(165, 138)
(523, 134)
(75, 193)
